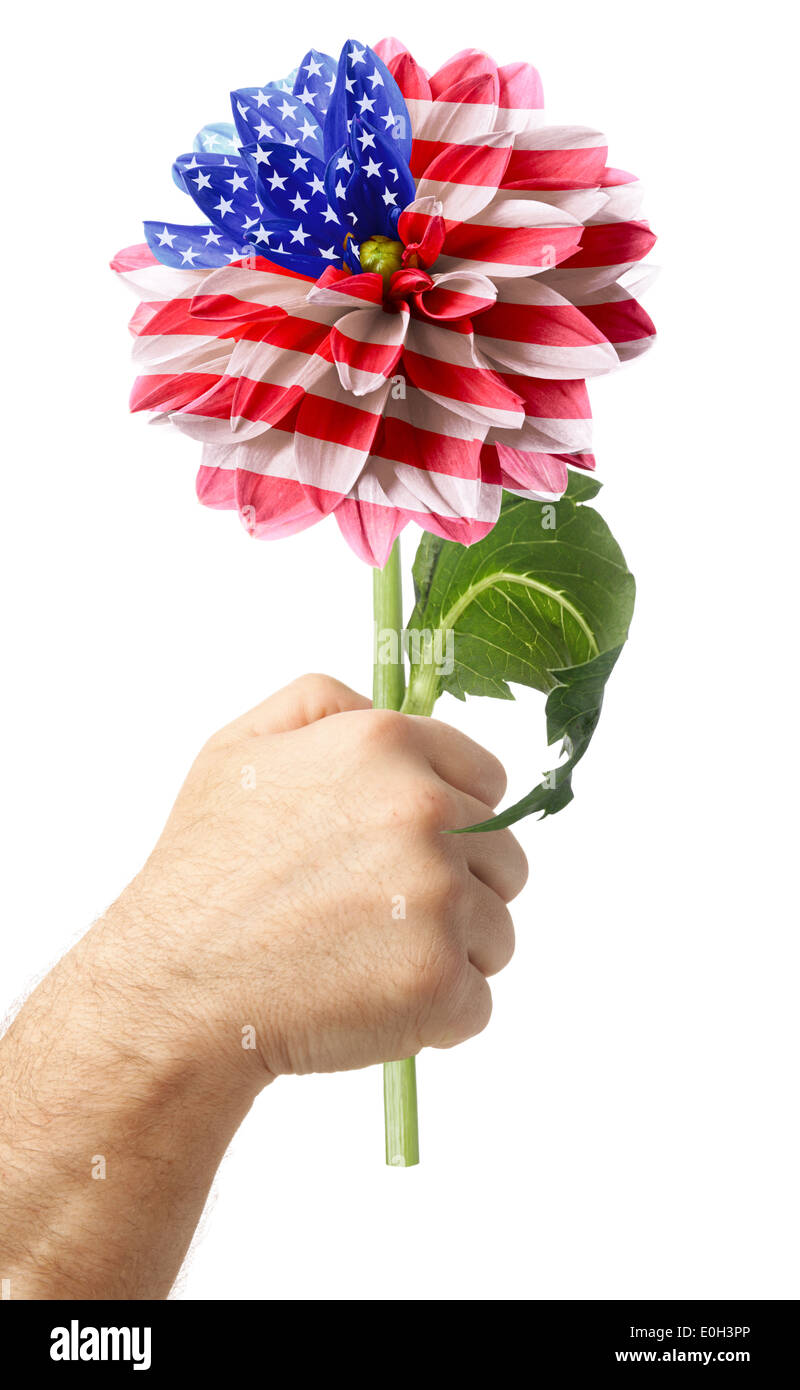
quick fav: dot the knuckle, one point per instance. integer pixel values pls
(380, 729)
(427, 803)
(445, 880)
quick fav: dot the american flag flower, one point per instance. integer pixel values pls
(390, 314)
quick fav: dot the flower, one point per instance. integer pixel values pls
(391, 312)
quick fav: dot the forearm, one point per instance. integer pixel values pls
(118, 1111)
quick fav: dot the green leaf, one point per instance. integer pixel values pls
(544, 600)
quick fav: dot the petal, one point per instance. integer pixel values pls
(464, 178)
(512, 237)
(339, 289)
(366, 347)
(557, 157)
(369, 529)
(190, 248)
(333, 438)
(539, 476)
(521, 97)
(140, 269)
(446, 366)
(536, 331)
(468, 112)
(365, 88)
(421, 228)
(455, 295)
(468, 63)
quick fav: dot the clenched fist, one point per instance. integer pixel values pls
(304, 887)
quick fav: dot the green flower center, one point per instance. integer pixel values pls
(383, 255)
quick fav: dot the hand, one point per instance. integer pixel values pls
(304, 900)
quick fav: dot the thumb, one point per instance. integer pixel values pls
(305, 701)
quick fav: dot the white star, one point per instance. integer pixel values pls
(262, 99)
(242, 110)
(357, 55)
(264, 132)
(344, 162)
(366, 140)
(329, 215)
(192, 163)
(211, 140)
(389, 198)
(316, 185)
(305, 96)
(376, 79)
(340, 189)
(166, 238)
(202, 181)
(188, 255)
(329, 255)
(300, 161)
(365, 104)
(248, 223)
(299, 204)
(372, 169)
(331, 83)
(389, 118)
(300, 235)
(211, 238)
(287, 140)
(307, 130)
(261, 235)
(313, 68)
(277, 182)
(286, 109)
(223, 207)
(262, 156)
(349, 84)
(236, 182)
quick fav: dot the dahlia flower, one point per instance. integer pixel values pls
(403, 282)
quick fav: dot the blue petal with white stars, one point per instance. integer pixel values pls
(366, 89)
(219, 138)
(315, 81)
(270, 113)
(190, 248)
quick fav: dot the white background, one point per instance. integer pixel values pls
(627, 1125)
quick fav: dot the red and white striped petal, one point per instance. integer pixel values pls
(557, 157)
(465, 178)
(445, 364)
(512, 237)
(338, 289)
(542, 477)
(333, 438)
(366, 346)
(521, 102)
(535, 331)
(258, 479)
(138, 267)
(457, 294)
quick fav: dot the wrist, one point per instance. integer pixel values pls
(157, 994)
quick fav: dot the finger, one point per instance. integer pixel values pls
(489, 931)
(460, 761)
(494, 856)
(472, 1014)
(304, 701)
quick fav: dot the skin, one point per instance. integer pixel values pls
(258, 941)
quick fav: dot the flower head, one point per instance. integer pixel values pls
(391, 311)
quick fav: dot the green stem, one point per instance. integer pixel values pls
(388, 689)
